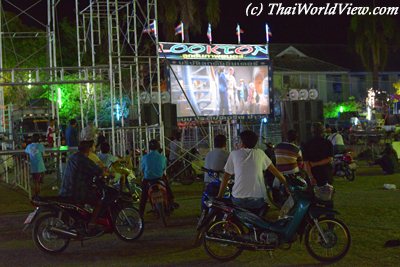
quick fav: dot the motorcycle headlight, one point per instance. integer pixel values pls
(208, 203)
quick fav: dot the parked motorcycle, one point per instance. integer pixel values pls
(160, 203)
(327, 239)
(186, 169)
(210, 192)
(57, 221)
(344, 166)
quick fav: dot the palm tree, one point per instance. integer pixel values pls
(193, 13)
(373, 36)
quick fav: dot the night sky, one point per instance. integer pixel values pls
(285, 29)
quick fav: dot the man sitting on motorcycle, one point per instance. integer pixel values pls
(216, 158)
(78, 178)
(153, 166)
(248, 164)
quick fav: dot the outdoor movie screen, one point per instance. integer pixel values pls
(218, 79)
(215, 90)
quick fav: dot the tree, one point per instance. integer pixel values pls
(193, 13)
(373, 36)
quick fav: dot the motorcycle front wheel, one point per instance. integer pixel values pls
(47, 240)
(216, 240)
(128, 224)
(330, 242)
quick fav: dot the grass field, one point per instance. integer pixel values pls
(371, 213)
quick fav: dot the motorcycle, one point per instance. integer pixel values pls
(327, 239)
(186, 169)
(56, 221)
(344, 166)
(209, 193)
(159, 200)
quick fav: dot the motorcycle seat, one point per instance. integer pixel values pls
(50, 199)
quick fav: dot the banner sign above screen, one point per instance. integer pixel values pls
(186, 51)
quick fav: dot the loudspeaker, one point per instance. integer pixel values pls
(169, 116)
(299, 115)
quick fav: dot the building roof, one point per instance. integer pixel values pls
(334, 54)
(292, 59)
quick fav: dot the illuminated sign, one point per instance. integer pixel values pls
(184, 51)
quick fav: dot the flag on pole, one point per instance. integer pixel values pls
(151, 28)
(209, 36)
(238, 32)
(268, 33)
(179, 30)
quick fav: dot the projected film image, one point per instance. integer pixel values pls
(220, 90)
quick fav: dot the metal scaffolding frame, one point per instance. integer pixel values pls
(18, 75)
(122, 26)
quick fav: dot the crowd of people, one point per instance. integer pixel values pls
(247, 164)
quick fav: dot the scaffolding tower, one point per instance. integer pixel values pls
(122, 27)
(18, 72)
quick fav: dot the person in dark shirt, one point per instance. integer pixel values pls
(77, 179)
(388, 161)
(71, 134)
(223, 92)
(317, 156)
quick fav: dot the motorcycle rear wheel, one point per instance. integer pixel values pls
(46, 240)
(128, 224)
(350, 175)
(160, 208)
(336, 234)
(217, 249)
(187, 177)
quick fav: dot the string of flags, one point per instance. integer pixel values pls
(179, 30)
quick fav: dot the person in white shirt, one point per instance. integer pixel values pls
(248, 164)
(337, 141)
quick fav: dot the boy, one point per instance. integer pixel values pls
(35, 152)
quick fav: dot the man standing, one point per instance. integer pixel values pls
(89, 132)
(50, 133)
(71, 134)
(337, 141)
(232, 90)
(223, 92)
(318, 155)
(248, 164)
(216, 159)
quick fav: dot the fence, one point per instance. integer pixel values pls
(14, 166)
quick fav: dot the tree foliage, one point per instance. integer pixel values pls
(193, 13)
(331, 109)
(372, 36)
